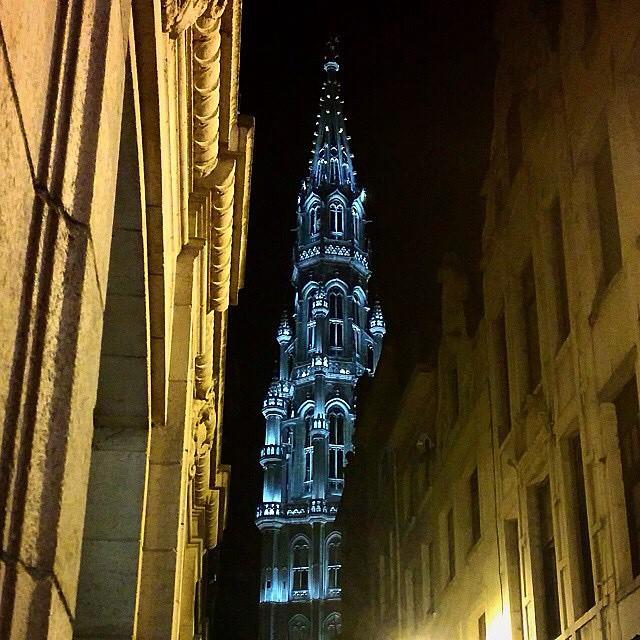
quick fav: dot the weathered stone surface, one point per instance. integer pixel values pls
(107, 595)
(34, 43)
(58, 281)
(18, 221)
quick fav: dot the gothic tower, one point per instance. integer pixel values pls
(309, 410)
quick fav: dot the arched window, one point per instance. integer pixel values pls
(308, 451)
(332, 626)
(333, 167)
(336, 320)
(299, 628)
(311, 324)
(336, 448)
(336, 218)
(336, 427)
(314, 220)
(300, 567)
(334, 562)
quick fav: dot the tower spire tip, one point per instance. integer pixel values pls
(332, 55)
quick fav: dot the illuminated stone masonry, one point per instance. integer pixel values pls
(309, 409)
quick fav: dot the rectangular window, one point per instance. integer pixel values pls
(301, 579)
(474, 503)
(550, 599)
(514, 576)
(455, 394)
(482, 627)
(451, 545)
(530, 311)
(336, 338)
(427, 576)
(336, 463)
(406, 493)
(308, 464)
(417, 596)
(581, 521)
(382, 581)
(607, 214)
(311, 336)
(514, 137)
(502, 379)
(629, 438)
(559, 273)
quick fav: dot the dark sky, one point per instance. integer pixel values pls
(417, 80)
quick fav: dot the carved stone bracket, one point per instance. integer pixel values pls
(178, 15)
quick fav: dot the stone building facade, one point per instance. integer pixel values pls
(310, 406)
(125, 185)
(526, 523)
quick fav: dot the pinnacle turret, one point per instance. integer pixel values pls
(377, 324)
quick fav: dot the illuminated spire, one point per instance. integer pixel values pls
(331, 161)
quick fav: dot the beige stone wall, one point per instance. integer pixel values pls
(125, 182)
(542, 382)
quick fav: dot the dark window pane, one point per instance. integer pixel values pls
(530, 311)
(582, 526)
(548, 557)
(607, 214)
(629, 438)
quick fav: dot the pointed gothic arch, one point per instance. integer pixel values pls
(332, 626)
(299, 628)
(336, 217)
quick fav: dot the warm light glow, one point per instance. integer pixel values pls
(498, 627)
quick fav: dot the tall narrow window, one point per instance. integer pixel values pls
(474, 503)
(310, 307)
(530, 312)
(514, 137)
(503, 405)
(514, 576)
(336, 447)
(382, 583)
(454, 393)
(548, 562)
(427, 576)
(300, 568)
(417, 596)
(356, 224)
(629, 438)
(610, 249)
(308, 452)
(334, 563)
(311, 336)
(370, 357)
(559, 272)
(586, 597)
(314, 220)
(336, 320)
(336, 218)
(451, 545)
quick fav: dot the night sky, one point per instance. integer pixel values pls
(417, 80)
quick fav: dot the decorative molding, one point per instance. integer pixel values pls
(221, 234)
(206, 88)
(177, 15)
